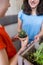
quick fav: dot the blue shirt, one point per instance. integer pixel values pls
(31, 24)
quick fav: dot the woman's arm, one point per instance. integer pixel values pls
(37, 37)
(19, 25)
(41, 32)
(3, 57)
(14, 60)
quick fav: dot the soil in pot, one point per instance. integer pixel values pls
(22, 34)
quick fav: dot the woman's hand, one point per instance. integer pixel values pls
(36, 38)
(16, 36)
(24, 42)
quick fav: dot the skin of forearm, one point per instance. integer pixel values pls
(19, 29)
(40, 34)
(14, 60)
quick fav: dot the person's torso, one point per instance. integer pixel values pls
(31, 24)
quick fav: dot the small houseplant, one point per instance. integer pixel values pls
(22, 35)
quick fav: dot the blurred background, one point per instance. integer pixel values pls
(9, 21)
(15, 7)
(11, 17)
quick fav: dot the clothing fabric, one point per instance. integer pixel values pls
(31, 24)
(6, 42)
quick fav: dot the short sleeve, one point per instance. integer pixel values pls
(20, 15)
(2, 45)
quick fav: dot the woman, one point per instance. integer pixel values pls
(8, 55)
(30, 19)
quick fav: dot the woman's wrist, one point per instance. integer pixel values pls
(40, 34)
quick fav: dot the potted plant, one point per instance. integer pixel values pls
(38, 55)
(35, 56)
(22, 35)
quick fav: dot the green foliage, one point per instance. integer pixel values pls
(22, 34)
(39, 55)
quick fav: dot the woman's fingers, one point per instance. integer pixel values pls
(24, 42)
(36, 38)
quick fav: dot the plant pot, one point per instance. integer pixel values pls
(22, 39)
(22, 35)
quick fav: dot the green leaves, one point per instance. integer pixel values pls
(39, 54)
(22, 34)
